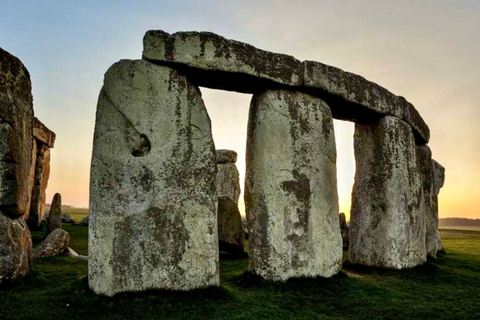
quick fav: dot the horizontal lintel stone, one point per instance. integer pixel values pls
(43, 134)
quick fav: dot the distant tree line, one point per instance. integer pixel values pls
(447, 222)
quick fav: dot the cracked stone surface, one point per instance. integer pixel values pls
(153, 204)
(55, 243)
(387, 223)
(40, 183)
(16, 137)
(291, 187)
(213, 61)
(15, 249)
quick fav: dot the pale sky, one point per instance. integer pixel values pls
(425, 50)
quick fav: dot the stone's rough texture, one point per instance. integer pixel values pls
(43, 134)
(31, 181)
(291, 187)
(55, 243)
(15, 249)
(16, 123)
(362, 96)
(212, 61)
(42, 173)
(226, 156)
(343, 230)
(427, 174)
(153, 204)
(228, 181)
(387, 227)
(229, 222)
(55, 216)
(438, 181)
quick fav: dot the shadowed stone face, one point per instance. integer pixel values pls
(230, 227)
(291, 188)
(16, 135)
(153, 202)
(387, 226)
(55, 216)
(42, 173)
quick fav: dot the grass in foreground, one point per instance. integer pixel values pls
(445, 288)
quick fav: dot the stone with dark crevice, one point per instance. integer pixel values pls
(215, 62)
(352, 97)
(40, 183)
(152, 220)
(291, 187)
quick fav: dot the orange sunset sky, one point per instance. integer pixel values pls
(427, 51)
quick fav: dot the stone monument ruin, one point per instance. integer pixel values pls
(153, 203)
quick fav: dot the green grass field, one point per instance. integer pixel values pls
(445, 288)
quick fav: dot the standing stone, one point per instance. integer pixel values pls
(228, 178)
(31, 180)
(15, 249)
(229, 224)
(387, 225)
(438, 181)
(291, 187)
(42, 173)
(16, 135)
(153, 204)
(344, 230)
(55, 216)
(426, 169)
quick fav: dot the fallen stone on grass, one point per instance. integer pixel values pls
(55, 243)
(69, 252)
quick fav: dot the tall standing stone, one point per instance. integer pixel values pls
(387, 225)
(153, 204)
(16, 137)
(42, 173)
(438, 182)
(230, 229)
(228, 178)
(291, 187)
(343, 230)
(55, 216)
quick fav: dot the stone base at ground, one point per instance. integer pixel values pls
(230, 228)
(291, 188)
(153, 204)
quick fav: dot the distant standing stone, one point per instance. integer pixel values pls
(84, 221)
(55, 243)
(55, 216)
(387, 225)
(291, 187)
(439, 180)
(344, 230)
(153, 204)
(226, 156)
(229, 224)
(15, 249)
(228, 181)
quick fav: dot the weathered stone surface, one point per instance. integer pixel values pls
(15, 249)
(212, 61)
(426, 169)
(43, 134)
(387, 225)
(74, 255)
(226, 156)
(55, 216)
(54, 244)
(291, 187)
(42, 174)
(31, 181)
(353, 97)
(153, 203)
(16, 127)
(439, 180)
(228, 181)
(343, 230)
(229, 222)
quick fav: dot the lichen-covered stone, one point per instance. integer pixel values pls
(228, 181)
(43, 134)
(55, 216)
(16, 135)
(361, 98)
(291, 187)
(153, 203)
(387, 225)
(31, 181)
(54, 244)
(229, 222)
(343, 230)
(226, 156)
(212, 61)
(15, 249)
(438, 181)
(42, 174)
